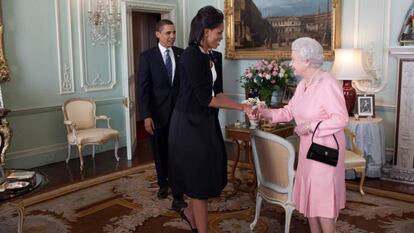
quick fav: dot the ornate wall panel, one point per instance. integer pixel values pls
(97, 62)
(63, 16)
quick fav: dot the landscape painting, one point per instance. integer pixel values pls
(257, 29)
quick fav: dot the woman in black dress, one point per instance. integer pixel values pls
(197, 156)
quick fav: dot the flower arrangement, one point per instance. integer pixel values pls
(267, 76)
(255, 102)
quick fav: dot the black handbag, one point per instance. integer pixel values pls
(323, 153)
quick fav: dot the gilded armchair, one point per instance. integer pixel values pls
(80, 121)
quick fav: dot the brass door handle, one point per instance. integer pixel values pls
(127, 103)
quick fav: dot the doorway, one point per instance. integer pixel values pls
(143, 25)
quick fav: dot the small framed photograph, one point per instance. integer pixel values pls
(366, 105)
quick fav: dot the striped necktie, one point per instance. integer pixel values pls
(168, 64)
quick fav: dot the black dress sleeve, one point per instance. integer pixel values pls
(196, 67)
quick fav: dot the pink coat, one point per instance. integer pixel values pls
(319, 189)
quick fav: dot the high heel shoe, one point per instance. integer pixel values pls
(184, 217)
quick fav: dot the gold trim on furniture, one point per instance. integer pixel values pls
(4, 69)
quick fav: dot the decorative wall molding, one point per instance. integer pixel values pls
(185, 22)
(54, 108)
(99, 82)
(167, 11)
(66, 79)
(380, 76)
(401, 51)
(385, 107)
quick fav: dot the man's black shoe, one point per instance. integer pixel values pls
(178, 204)
(162, 192)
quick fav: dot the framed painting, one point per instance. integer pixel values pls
(366, 105)
(260, 29)
(4, 69)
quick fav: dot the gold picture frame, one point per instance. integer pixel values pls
(4, 69)
(272, 39)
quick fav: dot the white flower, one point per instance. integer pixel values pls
(255, 102)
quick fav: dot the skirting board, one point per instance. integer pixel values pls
(380, 192)
(49, 154)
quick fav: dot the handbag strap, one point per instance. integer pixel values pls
(337, 145)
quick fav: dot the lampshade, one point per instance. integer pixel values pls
(348, 65)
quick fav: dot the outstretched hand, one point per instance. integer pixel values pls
(303, 129)
(247, 109)
(265, 113)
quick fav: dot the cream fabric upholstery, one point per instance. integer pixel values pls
(273, 159)
(80, 121)
(355, 160)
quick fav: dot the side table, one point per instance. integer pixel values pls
(13, 200)
(369, 134)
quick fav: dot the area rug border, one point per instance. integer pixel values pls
(80, 185)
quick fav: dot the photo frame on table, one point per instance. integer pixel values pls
(257, 29)
(366, 105)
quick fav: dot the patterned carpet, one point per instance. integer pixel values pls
(129, 204)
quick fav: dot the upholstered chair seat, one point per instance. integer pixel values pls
(93, 136)
(355, 160)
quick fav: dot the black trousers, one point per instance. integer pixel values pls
(159, 143)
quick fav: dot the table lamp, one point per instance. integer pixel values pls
(348, 67)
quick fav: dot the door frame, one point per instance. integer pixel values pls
(167, 11)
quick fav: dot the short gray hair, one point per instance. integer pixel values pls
(309, 50)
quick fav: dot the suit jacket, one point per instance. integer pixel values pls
(155, 94)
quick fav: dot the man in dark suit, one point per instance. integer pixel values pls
(158, 86)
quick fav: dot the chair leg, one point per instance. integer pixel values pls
(116, 148)
(259, 201)
(288, 216)
(362, 179)
(93, 151)
(80, 156)
(69, 151)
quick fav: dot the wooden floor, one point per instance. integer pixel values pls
(61, 174)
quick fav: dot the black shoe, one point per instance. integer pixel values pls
(178, 204)
(182, 215)
(162, 192)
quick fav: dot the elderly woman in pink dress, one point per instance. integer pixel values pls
(319, 189)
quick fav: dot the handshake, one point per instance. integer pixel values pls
(258, 109)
